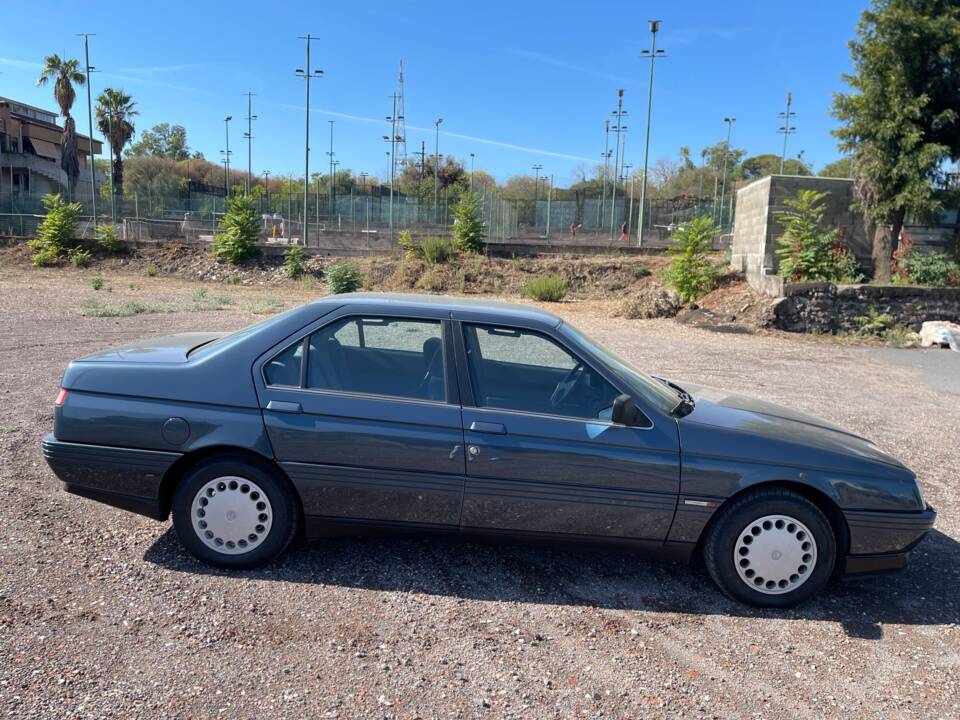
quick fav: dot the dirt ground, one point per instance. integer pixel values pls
(103, 615)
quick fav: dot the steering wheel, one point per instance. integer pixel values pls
(566, 386)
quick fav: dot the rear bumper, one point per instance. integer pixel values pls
(882, 541)
(122, 477)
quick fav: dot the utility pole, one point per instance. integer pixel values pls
(330, 155)
(536, 181)
(393, 154)
(549, 197)
(619, 129)
(423, 160)
(266, 185)
(654, 54)
(436, 172)
(93, 157)
(226, 159)
(787, 130)
(606, 163)
(308, 76)
(726, 154)
(248, 135)
(626, 176)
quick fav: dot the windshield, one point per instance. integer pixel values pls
(650, 389)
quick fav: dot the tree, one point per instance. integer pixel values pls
(163, 140)
(691, 273)
(240, 230)
(468, 223)
(760, 166)
(842, 168)
(115, 110)
(807, 252)
(900, 122)
(67, 74)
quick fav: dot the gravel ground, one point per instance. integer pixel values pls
(103, 615)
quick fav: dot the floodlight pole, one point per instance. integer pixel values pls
(330, 154)
(436, 173)
(726, 153)
(93, 164)
(654, 27)
(618, 113)
(606, 163)
(472, 156)
(536, 183)
(249, 136)
(786, 130)
(306, 74)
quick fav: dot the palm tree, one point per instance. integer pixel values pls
(67, 74)
(114, 114)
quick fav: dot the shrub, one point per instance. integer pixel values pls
(639, 271)
(108, 239)
(409, 246)
(150, 271)
(468, 223)
(232, 279)
(690, 273)
(55, 235)
(294, 260)
(874, 323)
(436, 250)
(343, 277)
(807, 252)
(931, 268)
(547, 288)
(899, 337)
(79, 257)
(97, 283)
(240, 227)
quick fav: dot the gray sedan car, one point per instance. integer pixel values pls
(474, 418)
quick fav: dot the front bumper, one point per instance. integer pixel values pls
(882, 541)
(126, 478)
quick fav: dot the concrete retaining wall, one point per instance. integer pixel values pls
(829, 308)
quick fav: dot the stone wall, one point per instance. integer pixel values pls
(829, 308)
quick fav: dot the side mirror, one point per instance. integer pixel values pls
(624, 410)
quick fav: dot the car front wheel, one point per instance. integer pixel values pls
(234, 513)
(770, 548)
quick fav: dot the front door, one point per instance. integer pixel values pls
(542, 454)
(364, 419)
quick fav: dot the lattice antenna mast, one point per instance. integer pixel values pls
(401, 128)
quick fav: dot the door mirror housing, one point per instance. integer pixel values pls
(624, 410)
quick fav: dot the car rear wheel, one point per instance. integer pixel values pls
(770, 548)
(234, 513)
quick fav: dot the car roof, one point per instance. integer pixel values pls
(496, 308)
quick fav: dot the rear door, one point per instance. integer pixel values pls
(542, 453)
(364, 416)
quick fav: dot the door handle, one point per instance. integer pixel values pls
(284, 406)
(488, 427)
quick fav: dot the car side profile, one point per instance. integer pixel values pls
(456, 416)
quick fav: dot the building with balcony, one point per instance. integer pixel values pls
(30, 152)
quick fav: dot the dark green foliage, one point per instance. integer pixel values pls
(547, 288)
(108, 239)
(55, 235)
(931, 268)
(410, 247)
(343, 277)
(240, 229)
(691, 273)
(807, 252)
(436, 250)
(294, 261)
(874, 323)
(468, 233)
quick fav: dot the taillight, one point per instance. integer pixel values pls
(61, 396)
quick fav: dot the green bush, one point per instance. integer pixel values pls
(931, 268)
(468, 231)
(547, 288)
(410, 247)
(55, 235)
(240, 228)
(79, 257)
(150, 271)
(874, 323)
(343, 277)
(108, 238)
(690, 273)
(807, 252)
(436, 250)
(295, 261)
(97, 283)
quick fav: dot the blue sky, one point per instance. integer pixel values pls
(518, 83)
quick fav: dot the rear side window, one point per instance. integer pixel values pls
(284, 369)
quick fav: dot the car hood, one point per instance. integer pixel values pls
(757, 429)
(167, 349)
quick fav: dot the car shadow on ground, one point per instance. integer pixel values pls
(922, 594)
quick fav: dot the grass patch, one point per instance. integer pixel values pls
(547, 288)
(97, 283)
(150, 271)
(203, 301)
(98, 308)
(267, 305)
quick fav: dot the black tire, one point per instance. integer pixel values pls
(284, 520)
(733, 522)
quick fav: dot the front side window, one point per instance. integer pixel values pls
(513, 369)
(378, 356)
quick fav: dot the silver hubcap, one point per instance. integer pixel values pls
(775, 554)
(231, 515)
